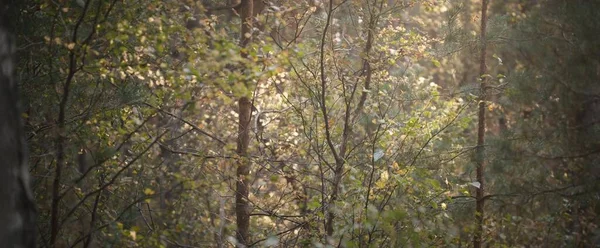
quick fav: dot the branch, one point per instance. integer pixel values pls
(80, 239)
(278, 234)
(127, 138)
(113, 179)
(60, 139)
(323, 85)
(187, 122)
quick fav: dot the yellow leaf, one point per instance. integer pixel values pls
(384, 176)
(380, 184)
(132, 234)
(149, 191)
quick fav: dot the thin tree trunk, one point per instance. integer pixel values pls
(350, 115)
(339, 162)
(17, 211)
(61, 132)
(244, 113)
(480, 156)
(467, 60)
(243, 170)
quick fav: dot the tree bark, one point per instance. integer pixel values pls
(244, 112)
(480, 156)
(17, 211)
(243, 170)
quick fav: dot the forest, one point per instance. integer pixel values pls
(299, 123)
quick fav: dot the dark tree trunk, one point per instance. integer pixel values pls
(242, 207)
(480, 156)
(17, 212)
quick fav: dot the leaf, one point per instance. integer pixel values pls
(314, 203)
(380, 184)
(377, 155)
(149, 191)
(435, 184)
(486, 76)
(476, 184)
(498, 58)
(436, 63)
(385, 176)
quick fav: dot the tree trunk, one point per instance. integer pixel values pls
(243, 170)
(17, 211)
(480, 156)
(244, 112)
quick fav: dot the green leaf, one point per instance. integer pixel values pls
(314, 203)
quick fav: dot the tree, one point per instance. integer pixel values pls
(242, 207)
(480, 156)
(17, 211)
(181, 123)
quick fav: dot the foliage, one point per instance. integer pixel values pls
(363, 128)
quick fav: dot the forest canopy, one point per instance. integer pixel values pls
(310, 123)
